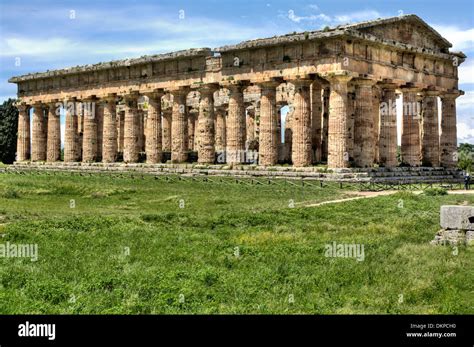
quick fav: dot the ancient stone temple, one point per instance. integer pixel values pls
(224, 105)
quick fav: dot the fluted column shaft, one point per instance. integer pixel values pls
(364, 149)
(376, 120)
(206, 131)
(89, 139)
(301, 124)
(179, 127)
(53, 152)
(268, 136)
(410, 146)
(448, 136)
(109, 141)
(316, 121)
(130, 141)
(153, 145)
(429, 130)
(71, 134)
(388, 127)
(220, 130)
(192, 130)
(236, 129)
(39, 133)
(23, 140)
(338, 131)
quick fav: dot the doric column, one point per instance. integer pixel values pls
(235, 130)
(140, 130)
(99, 115)
(89, 139)
(206, 131)
(301, 124)
(250, 127)
(448, 138)
(179, 127)
(376, 120)
(153, 145)
(23, 140)
(130, 143)
(80, 129)
(71, 135)
(364, 132)
(192, 129)
(316, 121)
(338, 132)
(388, 126)
(109, 140)
(220, 129)
(429, 130)
(268, 136)
(120, 130)
(166, 124)
(410, 146)
(39, 131)
(53, 146)
(325, 125)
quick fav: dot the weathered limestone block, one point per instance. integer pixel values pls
(120, 130)
(268, 137)
(410, 148)
(39, 131)
(250, 138)
(388, 127)
(338, 131)
(193, 137)
(166, 124)
(220, 142)
(364, 132)
(23, 141)
(430, 130)
(89, 140)
(235, 130)
(179, 128)
(109, 149)
(316, 121)
(130, 144)
(153, 129)
(457, 217)
(448, 136)
(71, 135)
(206, 131)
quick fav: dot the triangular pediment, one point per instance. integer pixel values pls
(409, 29)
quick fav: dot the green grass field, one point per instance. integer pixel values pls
(112, 245)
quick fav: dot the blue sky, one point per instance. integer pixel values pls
(41, 35)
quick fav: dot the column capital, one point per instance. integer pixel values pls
(130, 96)
(364, 82)
(451, 94)
(430, 93)
(154, 94)
(179, 90)
(387, 85)
(338, 78)
(21, 106)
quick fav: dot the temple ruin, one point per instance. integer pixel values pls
(223, 105)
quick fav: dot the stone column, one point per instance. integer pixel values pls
(140, 130)
(325, 125)
(39, 131)
(109, 142)
(54, 134)
(338, 132)
(120, 130)
(250, 128)
(71, 134)
(179, 128)
(206, 131)
(268, 136)
(130, 143)
(235, 130)
(448, 137)
(388, 127)
(364, 150)
(192, 130)
(89, 139)
(166, 124)
(301, 124)
(80, 129)
(316, 121)
(220, 129)
(99, 114)
(429, 130)
(410, 147)
(376, 119)
(23, 140)
(153, 145)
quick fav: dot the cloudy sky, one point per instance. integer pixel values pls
(45, 35)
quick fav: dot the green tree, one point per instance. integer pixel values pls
(8, 131)
(466, 156)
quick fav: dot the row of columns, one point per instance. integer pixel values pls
(349, 126)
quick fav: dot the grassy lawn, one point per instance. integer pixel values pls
(121, 245)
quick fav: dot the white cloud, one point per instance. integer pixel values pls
(465, 132)
(333, 20)
(466, 72)
(357, 16)
(461, 39)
